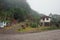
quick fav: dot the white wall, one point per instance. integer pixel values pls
(2, 24)
(45, 20)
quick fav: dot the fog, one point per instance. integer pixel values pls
(45, 6)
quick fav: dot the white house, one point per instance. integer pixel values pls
(2, 24)
(45, 21)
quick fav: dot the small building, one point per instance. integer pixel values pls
(2, 24)
(45, 21)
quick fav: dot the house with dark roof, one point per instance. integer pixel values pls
(45, 21)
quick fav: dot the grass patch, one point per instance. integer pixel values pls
(39, 29)
(28, 29)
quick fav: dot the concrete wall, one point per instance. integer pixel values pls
(45, 20)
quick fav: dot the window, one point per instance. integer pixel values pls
(47, 19)
(43, 18)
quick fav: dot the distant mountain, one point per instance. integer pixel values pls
(14, 3)
(17, 8)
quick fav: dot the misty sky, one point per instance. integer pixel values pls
(45, 6)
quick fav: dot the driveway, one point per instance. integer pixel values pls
(47, 35)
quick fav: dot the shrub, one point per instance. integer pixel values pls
(33, 25)
(19, 29)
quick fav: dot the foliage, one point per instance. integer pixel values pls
(33, 25)
(13, 13)
(55, 20)
(17, 10)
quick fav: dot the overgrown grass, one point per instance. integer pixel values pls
(28, 29)
(39, 29)
(48, 28)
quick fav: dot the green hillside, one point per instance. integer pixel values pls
(18, 10)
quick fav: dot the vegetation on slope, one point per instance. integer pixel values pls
(19, 10)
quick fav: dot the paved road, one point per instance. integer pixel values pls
(49, 35)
